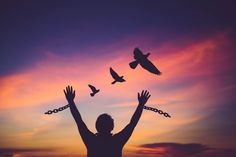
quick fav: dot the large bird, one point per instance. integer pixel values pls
(143, 60)
(116, 77)
(94, 90)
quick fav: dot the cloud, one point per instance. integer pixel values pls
(18, 152)
(181, 66)
(182, 150)
(34, 152)
(176, 149)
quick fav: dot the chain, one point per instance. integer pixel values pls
(144, 107)
(156, 110)
(57, 110)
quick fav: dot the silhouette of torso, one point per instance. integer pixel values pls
(110, 146)
(106, 145)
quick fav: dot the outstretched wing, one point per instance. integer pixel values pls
(92, 87)
(149, 66)
(138, 53)
(114, 74)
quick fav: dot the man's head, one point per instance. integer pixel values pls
(104, 124)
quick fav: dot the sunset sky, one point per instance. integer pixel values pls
(47, 45)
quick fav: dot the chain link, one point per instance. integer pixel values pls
(57, 110)
(156, 110)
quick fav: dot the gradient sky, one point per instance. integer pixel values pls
(47, 45)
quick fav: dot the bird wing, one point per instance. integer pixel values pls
(138, 53)
(149, 66)
(114, 74)
(92, 87)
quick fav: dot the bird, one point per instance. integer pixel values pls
(143, 60)
(94, 90)
(116, 77)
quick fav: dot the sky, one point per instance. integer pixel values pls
(47, 45)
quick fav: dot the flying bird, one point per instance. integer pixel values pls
(94, 90)
(116, 77)
(143, 60)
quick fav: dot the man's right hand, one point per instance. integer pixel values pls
(70, 94)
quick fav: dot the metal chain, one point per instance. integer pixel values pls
(156, 110)
(144, 107)
(57, 110)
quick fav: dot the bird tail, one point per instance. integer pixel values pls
(92, 94)
(133, 64)
(113, 82)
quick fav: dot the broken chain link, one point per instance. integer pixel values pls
(156, 110)
(57, 110)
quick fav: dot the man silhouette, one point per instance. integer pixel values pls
(103, 143)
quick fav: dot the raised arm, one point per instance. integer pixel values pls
(83, 130)
(128, 130)
(142, 99)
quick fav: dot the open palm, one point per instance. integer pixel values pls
(143, 97)
(69, 93)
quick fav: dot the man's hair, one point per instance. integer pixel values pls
(104, 123)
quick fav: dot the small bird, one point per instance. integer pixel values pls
(94, 90)
(116, 77)
(143, 60)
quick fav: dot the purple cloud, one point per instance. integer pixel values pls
(183, 150)
(10, 152)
